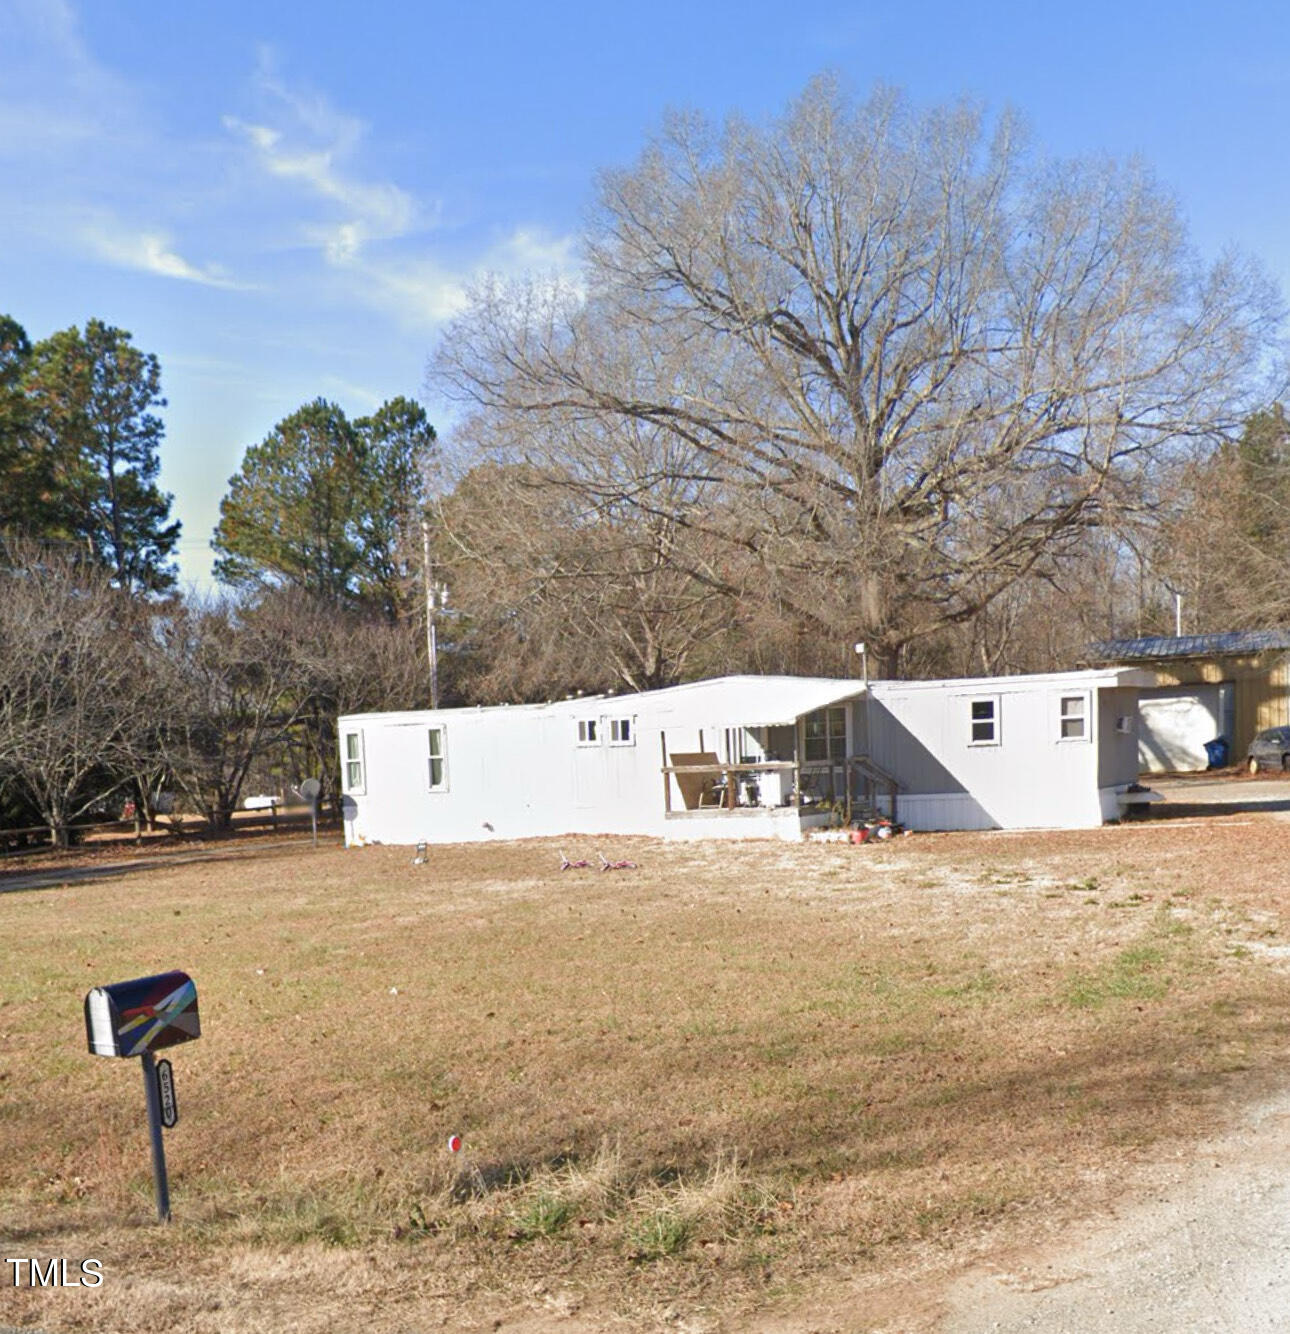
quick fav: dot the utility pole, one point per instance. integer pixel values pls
(432, 647)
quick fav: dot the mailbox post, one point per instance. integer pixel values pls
(137, 1018)
(159, 1179)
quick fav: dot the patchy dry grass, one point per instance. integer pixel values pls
(691, 1088)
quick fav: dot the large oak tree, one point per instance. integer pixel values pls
(891, 360)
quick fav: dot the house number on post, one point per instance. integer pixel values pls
(166, 1094)
(136, 1018)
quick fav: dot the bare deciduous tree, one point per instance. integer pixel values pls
(568, 587)
(225, 679)
(71, 702)
(888, 359)
(1225, 545)
(342, 661)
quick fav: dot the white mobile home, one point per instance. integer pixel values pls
(748, 757)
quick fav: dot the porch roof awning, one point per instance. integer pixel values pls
(749, 701)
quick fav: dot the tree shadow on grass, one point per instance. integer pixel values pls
(56, 877)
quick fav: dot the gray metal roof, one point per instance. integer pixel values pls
(1190, 646)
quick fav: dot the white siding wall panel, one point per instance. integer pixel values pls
(782, 825)
(1032, 779)
(945, 811)
(1117, 748)
(1109, 797)
(512, 773)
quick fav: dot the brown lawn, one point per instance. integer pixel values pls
(705, 1087)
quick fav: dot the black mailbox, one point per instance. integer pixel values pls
(142, 1015)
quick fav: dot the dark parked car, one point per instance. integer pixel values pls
(1270, 750)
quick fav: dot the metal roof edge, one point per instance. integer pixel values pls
(1083, 676)
(1218, 643)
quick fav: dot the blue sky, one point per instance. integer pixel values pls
(287, 201)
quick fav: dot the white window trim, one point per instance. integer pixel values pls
(995, 701)
(585, 724)
(361, 787)
(631, 731)
(1087, 716)
(442, 758)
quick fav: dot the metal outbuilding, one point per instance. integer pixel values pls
(1229, 685)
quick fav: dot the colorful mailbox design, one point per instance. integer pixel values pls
(144, 1014)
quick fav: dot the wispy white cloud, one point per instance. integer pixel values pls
(418, 292)
(303, 141)
(381, 245)
(528, 250)
(151, 252)
(422, 293)
(349, 392)
(374, 210)
(101, 177)
(54, 96)
(54, 24)
(290, 194)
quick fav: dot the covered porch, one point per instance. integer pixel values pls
(774, 775)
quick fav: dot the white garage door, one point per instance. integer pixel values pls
(1173, 725)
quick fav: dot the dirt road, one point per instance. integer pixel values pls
(1199, 1245)
(1203, 1246)
(1207, 1248)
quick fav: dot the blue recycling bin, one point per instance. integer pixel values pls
(1216, 752)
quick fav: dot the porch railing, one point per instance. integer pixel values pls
(726, 775)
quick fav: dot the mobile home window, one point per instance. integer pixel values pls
(826, 734)
(1072, 720)
(353, 761)
(438, 759)
(621, 732)
(983, 721)
(588, 732)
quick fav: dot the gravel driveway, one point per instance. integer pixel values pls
(1205, 1248)
(1222, 794)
